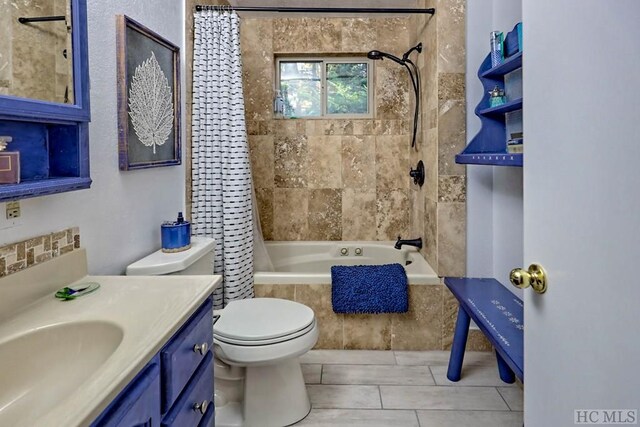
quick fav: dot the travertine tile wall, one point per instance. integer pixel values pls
(17, 256)
(439, 208)
(32, 64)
(329, 179)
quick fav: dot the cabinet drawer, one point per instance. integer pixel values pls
(180, 357)
(137, 404)
(199, 390)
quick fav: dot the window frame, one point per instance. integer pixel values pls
(324, 93)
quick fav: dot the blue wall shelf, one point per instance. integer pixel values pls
(510, 64)
(489, 146)
(490, 159)
(510, 106)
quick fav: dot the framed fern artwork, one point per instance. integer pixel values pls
(148, 97)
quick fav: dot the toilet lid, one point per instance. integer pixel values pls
(261, 319)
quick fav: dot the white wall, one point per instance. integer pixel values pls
(120, 216)
(494, 194)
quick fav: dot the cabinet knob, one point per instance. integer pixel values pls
(201, 407)
(201, 348)
(535, 277)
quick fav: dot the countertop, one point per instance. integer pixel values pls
(148, 309)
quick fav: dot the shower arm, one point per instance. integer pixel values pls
(414, 74)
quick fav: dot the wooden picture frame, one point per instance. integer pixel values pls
(149, 129)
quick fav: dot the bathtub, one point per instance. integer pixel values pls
(310, 262)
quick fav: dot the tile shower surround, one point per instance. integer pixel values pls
(348, 179)
(329, 179)
(438, 210)
(17, 256)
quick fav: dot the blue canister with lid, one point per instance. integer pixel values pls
(176, 235)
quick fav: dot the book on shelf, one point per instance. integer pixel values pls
(515, 146)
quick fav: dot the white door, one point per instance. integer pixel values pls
(582, 208)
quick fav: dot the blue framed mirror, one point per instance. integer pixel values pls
(44, 99)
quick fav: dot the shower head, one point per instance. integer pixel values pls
(377, 55)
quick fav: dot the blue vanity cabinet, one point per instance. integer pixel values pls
(175, 388)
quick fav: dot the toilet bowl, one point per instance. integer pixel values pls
(256, 344)
(264, 336)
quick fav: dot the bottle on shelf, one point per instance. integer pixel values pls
(496, 97)
(497, 48)
(278, 105)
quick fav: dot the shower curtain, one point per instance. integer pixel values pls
(222, 189)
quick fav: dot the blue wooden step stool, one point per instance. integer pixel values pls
(499, 315)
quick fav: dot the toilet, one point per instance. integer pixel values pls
(256, 344)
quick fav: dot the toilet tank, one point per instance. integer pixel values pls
(197, 260)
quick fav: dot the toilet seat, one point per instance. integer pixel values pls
(263, 331)
(267, 341)
(263, 321)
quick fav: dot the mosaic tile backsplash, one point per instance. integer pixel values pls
(17, 256)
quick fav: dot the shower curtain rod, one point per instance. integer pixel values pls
(429, 11)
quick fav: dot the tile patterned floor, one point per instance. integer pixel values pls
(354, 388)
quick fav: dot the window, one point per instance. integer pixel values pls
(321, 87)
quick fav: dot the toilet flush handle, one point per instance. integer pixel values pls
(201, 348)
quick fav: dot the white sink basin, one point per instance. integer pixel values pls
(62, 363)
(41, 368)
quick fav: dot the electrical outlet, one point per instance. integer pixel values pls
(13, 210)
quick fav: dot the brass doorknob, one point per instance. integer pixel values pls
(535, 277)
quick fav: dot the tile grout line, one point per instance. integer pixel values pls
(503, 399)
(342, 324)
(442, 387)
(415, 411)
(433, 377)
(380, 396)
(408, 385)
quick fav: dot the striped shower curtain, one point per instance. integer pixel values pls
(221, 169)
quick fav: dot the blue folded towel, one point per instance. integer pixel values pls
(369, 289)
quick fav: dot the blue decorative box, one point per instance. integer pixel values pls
(176, 235)
(519, 28)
